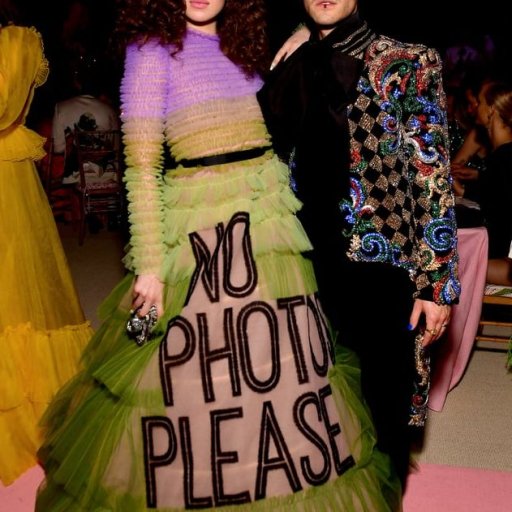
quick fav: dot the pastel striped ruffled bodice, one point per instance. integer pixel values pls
(209, 104)
(199, 103)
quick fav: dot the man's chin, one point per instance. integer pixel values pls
(326, 28)
(326, 20)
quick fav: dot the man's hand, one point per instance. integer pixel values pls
(437, 318)
(299, 37)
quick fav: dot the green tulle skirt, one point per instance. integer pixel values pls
(238, 401)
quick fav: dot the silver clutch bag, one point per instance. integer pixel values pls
(139, 328)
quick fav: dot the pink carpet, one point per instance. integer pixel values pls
(20, 496)
(437, 488)
(432, 489)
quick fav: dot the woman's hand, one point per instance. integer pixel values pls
(298, 38)
(148, 290)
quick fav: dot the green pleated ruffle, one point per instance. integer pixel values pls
(95, 419)
(260, 188)
(76, 456)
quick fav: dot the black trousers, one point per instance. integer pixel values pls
(369, 304)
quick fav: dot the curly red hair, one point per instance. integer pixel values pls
(241, 27)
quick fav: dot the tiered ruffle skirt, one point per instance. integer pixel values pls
(236, 402)
(42, 327)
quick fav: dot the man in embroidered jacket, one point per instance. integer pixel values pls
(361, 118)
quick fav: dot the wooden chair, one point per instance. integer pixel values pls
(60, 196)
(100, 190)
(496, 300)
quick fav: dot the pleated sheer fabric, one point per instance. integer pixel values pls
(42, 326)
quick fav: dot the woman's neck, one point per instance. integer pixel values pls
(206, 28)
(501, 136)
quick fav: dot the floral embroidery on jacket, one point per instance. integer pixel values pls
(401, 205)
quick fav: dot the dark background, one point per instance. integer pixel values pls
(437, 23)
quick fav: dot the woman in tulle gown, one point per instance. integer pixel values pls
(233, 400)
(42, 326)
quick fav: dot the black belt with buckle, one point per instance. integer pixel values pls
(225, 158)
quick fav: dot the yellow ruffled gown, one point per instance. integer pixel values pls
(42, 326)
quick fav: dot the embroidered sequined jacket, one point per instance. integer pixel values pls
(400, 206)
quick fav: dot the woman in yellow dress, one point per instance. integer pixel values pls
(42, 326)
